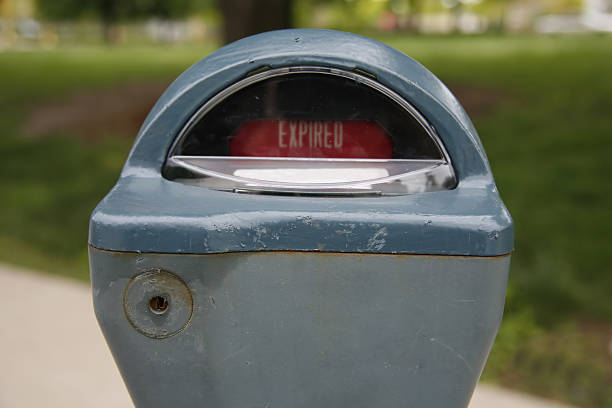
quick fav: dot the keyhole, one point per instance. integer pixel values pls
(158, 304)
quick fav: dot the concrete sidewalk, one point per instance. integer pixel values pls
(53, 353)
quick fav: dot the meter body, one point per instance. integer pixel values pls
(307, 218)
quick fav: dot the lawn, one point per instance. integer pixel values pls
(542, 105)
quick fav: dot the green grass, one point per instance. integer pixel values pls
(548, 137)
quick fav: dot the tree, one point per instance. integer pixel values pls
(242, 18)
(112, 11)
(415, 7)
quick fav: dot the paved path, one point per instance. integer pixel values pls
(53, 354)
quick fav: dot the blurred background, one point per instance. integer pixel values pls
(77, 78)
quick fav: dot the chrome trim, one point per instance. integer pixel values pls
(425, 175)
(439, 175)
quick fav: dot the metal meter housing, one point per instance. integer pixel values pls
(219, 280)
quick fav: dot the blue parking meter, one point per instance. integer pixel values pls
(306, 219)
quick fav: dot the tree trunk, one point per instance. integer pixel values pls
(501, 23)
(457, 14)
(109, 15)
(242, 18)
(414, 18)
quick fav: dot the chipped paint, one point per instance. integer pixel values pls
(378, 240)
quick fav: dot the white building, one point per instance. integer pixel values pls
(597, 15)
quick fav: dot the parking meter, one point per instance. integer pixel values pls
(306, 219)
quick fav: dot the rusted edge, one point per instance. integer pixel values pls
(336, 253)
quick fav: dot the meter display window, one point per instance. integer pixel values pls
(356, 139)
(308, 131)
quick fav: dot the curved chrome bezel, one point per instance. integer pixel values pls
(424, 175)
